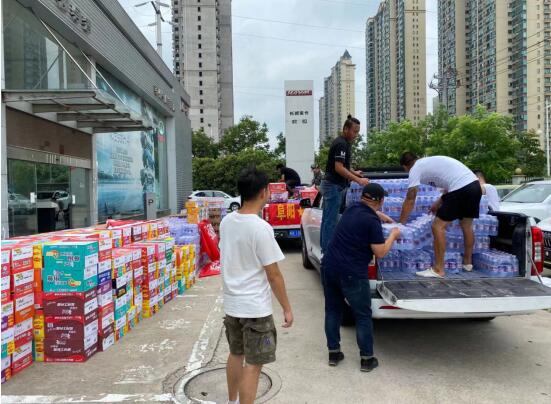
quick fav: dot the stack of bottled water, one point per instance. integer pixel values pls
(484, 205)
(184, 232)
(414, 261)
(281, 197)
(393, 207)
(496, 263)
(354, 194)
(392, 262)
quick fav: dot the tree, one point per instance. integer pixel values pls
(202, 145)
(280, 148)
(530, 156)
(247, 134)
(321, 156)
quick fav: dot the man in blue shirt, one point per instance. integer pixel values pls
(357, 238)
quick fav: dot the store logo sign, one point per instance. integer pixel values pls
(75, 14)
(298, 93)
(165, 99)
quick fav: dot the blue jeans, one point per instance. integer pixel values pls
(336, 288)
(332, 201)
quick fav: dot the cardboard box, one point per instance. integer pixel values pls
(7, 315)
(105, 272)
(38, 349)
(107, 340)
(67, 351)
(23, 306)
(23, 332)
(37, 280)
(22, 358)
(106, 318)
(6, 288)
(116, 237)
(105, 294)
(75, 305)
(38, 303)
(105, 243)
(22, 281)
(71, 254)
(21, 256)
(137, 233)
(8, 344)
(5, 260)
(77, 330)
(39, 325)
(6, 363)
(70, 279)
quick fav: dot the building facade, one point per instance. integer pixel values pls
(339, 98)
(395, 63)
(92, 118)
(299, 126)
(496, 54)
(202, 37)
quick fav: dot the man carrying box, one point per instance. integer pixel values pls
(249, 257)
(460, 200)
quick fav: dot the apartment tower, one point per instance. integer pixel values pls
(396, 63)
(339, 98)
(496, 53)
(203, 61)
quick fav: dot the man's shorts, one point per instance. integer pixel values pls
(462, 203)
(256, 338)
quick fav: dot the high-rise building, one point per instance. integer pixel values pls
(203, 61)
(496, 54)
(339, 98)
(396, 63)
(299, 126)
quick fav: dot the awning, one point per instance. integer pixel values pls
(91, 109)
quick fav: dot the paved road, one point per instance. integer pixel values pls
(507, 360)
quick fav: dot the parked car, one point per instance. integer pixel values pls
(482, 298)
(62, 198)
(19, 204)
(231, 203)
(504, 190)
(531, 199)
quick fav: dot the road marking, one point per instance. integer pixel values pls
(101, 398)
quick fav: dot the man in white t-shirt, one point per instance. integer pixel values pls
(489, 190)
(460, 201)
(249, 255)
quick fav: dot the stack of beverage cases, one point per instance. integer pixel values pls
(67, 295)
(414, 252)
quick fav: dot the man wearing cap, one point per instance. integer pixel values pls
(357, 238)
(318, 176)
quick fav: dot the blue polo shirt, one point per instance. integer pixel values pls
(349, 251)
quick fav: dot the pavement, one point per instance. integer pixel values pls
(507, 360)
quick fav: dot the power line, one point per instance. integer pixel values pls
(299, 24)
(299, 41)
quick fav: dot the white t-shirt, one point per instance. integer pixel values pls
(247, 244)
(441, 172)
(493, 197)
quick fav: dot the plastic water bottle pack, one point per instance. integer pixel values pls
(392, 262)
(496, 263)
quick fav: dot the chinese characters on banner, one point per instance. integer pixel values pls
(283, 214)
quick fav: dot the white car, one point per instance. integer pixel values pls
(531, 199)
(231, 203)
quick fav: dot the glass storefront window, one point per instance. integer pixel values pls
(33, 58)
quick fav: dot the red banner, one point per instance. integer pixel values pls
(283, 214)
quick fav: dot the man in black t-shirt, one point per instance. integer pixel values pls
(289, 177)
(337, 176)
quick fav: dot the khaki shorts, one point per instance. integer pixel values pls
(256, 338)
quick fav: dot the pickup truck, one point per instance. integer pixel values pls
(424, 298)
(284, 219)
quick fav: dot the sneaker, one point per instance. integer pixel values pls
(467, 268)
(428, 273)
(335, 358)
(367, 365)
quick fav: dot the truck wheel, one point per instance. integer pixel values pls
(306, 263)
(234, 206)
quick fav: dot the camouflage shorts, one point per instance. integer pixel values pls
(256, 338)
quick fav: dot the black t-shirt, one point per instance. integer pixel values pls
(340, 151)
(349, 251)
(290, 175)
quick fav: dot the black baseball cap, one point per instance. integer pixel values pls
(374, 191)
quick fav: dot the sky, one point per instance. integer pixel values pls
(278, 40)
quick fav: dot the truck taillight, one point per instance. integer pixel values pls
(537, 249)
(372, 271)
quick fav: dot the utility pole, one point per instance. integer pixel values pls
(441, 84)
(158, 19)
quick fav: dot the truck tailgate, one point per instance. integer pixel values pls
(487, 295)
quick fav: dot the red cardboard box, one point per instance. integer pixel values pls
(37, 280)
(277, 187)
(21, 257)
(23, 332)
(75, 330)
(6, 259)
(147, 252)
(23, 306)
(137, 232)
(6, 288)
(22, 358)
(106, 317)
(70, 305)
(107, 339)
(22, 282)
(7, 315)
(105, 294)
(68, 351)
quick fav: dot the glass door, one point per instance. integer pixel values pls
(80, 198)
(22, 198)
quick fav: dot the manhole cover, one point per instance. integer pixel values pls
(210, 386)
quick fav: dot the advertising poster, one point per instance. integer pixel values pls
(130, 163)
